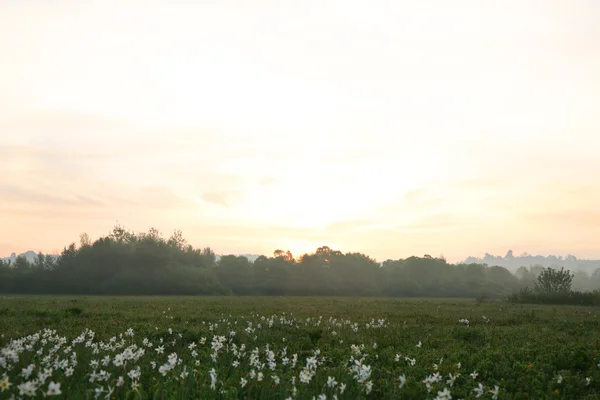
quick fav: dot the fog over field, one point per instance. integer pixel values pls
(124, 262)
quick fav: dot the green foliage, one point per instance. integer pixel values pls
(551, 281)
(554, 287)
(528, 296)
(145, 263)
(529, 352)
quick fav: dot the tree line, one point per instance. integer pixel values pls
(512, 262)
(126, 263)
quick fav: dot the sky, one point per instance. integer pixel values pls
(393, 128)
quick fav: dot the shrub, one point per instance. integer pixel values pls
(529, 296)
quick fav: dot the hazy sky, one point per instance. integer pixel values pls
(393, 128)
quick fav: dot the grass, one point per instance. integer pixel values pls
(527, 351)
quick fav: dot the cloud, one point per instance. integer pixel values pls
(75, 129)
(267, 181)
(86, 202)
(301, 127)
(50, 153)
(481, 183)
(159, 197)
(351, 225)
(224, 198)
(586, 191)
(584, 221)
(416, 200)
(17, 194)
(417, 195)
(440, 222)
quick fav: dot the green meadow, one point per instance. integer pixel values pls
(295, 347)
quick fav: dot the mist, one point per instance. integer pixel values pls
(128, 263)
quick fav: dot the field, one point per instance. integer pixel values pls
(295, 347)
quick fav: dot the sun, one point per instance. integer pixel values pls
(301, 247)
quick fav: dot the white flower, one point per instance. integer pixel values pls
(474, 375)
(53, 389)
(451, 379)
(26, 372)
(402, 381)
(436, 377)
(184, 374)
(5, 384)
(494, 392)
(213, 378)
(118, 360)
(134, 374)
(369, 386)
(444, 395)
(331, 382)
(163, 369)
(306, 375)
(98, 391)
(479, 390)
(27, 388)
(105, 361)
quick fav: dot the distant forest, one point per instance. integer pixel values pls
(126, 263)
(513, 262)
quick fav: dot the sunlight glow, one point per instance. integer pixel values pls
(397, 129)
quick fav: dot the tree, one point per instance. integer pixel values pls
(40, 261)
(121, 235)
(284, 255)
(84, 240)
(22, 263)
(177, 240)
(553, 281)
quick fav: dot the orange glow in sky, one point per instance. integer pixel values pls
(393, 128)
